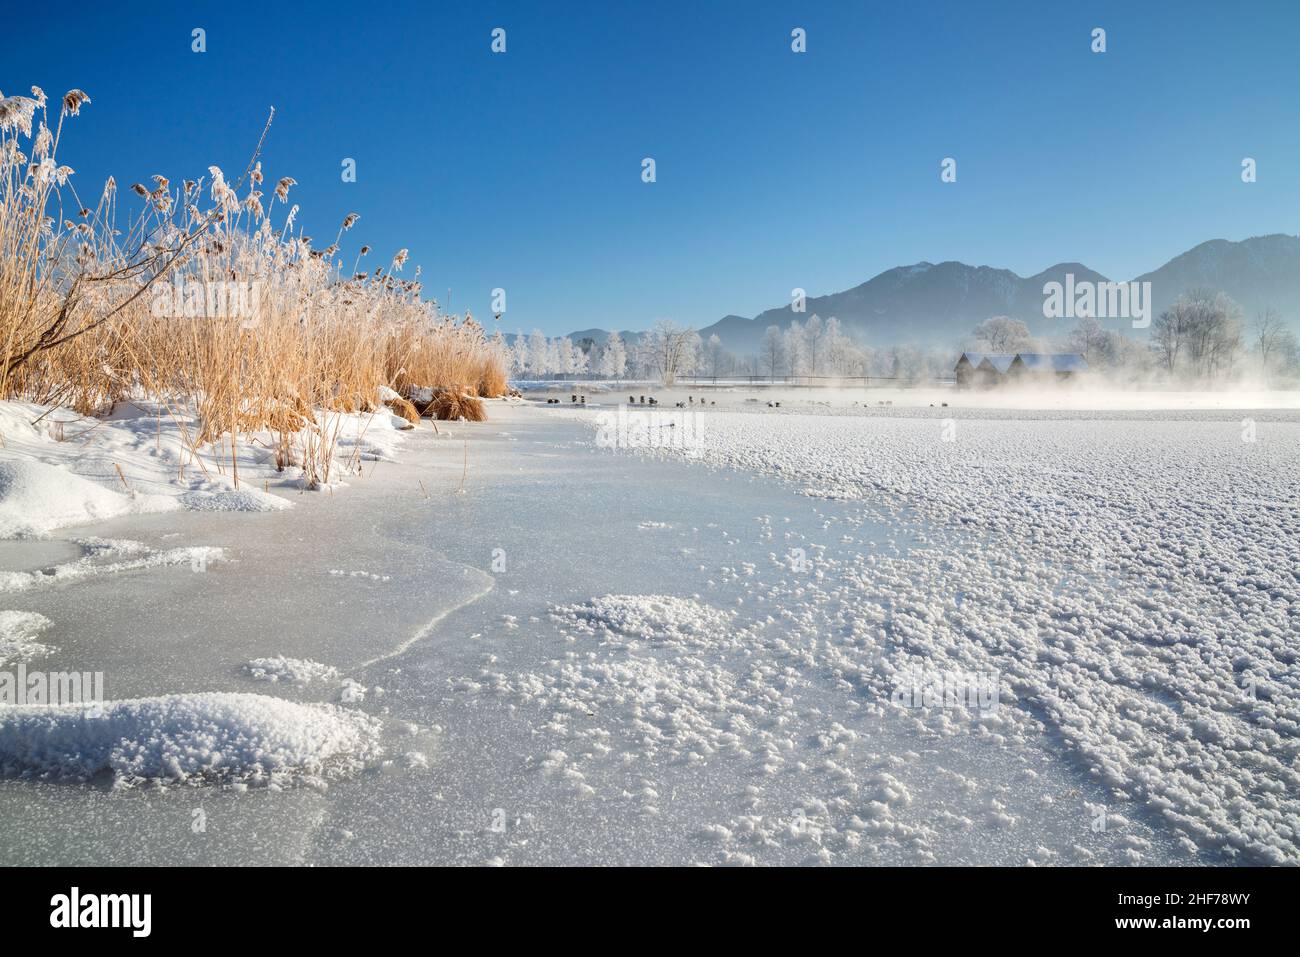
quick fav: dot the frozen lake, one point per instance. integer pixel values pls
(606, 656)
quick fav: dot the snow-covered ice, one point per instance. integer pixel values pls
(103, 559)
(1134, 582)
(706, 655)
(18, 631)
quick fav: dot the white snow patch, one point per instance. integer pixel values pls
(196, 556)
(648, 616)
(352, 692)
(299, 671)
(195, 738)
(58, 468)
(18, 631)
(36, 498)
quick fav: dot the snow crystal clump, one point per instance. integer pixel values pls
(648, 616)
(352, 692)
(298, 671)
(192, 738)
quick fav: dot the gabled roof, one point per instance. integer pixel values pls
(972, 357)
(997, 363)
(1053, 362)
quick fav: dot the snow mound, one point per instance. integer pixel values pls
(648, 616)
(299, 671)
(18, 630)
(195, 738)
(58, 468)
(36, 498)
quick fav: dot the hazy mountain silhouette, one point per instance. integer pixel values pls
(939, 303)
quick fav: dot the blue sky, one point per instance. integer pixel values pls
(775, 169)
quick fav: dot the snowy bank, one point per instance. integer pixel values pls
(59, 469)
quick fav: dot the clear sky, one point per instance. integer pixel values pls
(522, 170)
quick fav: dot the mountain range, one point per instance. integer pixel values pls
(940, 303)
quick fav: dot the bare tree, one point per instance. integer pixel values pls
(1093, 342)
(1200, 334)
(1167, 334)
(1269, 333)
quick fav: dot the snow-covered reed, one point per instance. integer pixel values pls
(211, 301)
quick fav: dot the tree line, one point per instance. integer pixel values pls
(1202, 338)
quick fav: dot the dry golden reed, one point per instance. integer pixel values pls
(455, 406)
(212, 302)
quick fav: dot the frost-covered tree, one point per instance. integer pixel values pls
(501, 349)
(795, 350)
(1273, 342)
(577, 359)
(812, 341)
(715, 357)
(771, 351)
(566, 362)
(613, 357)
(539, 355)
(1092, 341)
(635, 360)
(843, 356)
(519, 353)
(673, 350)
(1001, 335)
